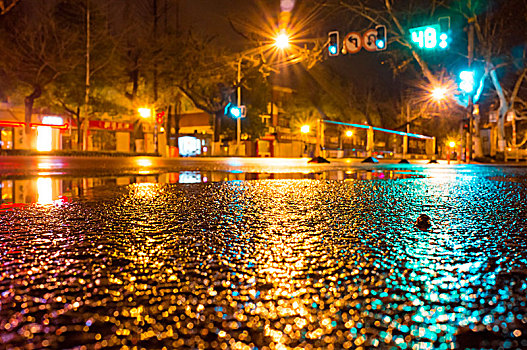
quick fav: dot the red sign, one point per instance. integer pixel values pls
(109, 125)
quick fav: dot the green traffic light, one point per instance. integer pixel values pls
(467, 82)
(235, 112)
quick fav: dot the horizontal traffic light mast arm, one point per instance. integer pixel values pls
(361, 126)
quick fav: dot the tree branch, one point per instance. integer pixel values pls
(5, 9)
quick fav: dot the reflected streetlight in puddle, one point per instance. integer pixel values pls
(44, 190)
(144, 164)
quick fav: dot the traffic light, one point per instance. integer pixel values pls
(333, 43)
(380, 41)
(467, 81)
(159, 118)
(444, 32)
(427, 37)
(235, 111)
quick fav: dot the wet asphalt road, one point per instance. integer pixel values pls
(314, 261)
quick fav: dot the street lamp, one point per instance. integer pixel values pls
(451, 146)
(305, 129)
(282, 40)
(439, 93)
(349, 133)
(147, 113)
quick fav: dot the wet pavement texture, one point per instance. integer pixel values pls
(240, 260)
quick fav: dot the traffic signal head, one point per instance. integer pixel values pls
(159, 117)
(467, 81)
(333, 43)
(235, 111)
(444, 32)
(380, 40)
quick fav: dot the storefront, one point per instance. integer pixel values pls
(109, 135)
(45, 131)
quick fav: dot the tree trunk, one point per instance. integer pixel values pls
(217, 125)
(28, 112)
(177, 119)
(28, 108)
(502, 111)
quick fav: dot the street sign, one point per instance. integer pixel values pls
(368, 40)
(352, 42)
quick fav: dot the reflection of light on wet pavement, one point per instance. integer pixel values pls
(46, 165)
(45, 190)
(234, 162)
(190, 177)
(283, 261)
(143, 190)
(144, 162)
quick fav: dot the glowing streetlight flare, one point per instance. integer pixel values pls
(282, 41)
(439, 93)
(452, 144)
(305, 129)
(145, 112)
(349, 133)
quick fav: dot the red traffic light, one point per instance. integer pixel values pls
(159, 117)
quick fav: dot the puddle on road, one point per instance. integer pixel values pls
(264, 264)
(16, 192)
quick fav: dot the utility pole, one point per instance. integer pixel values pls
(239, 103)
(470, 106)
(405, 137)
(156, 142)
(84, 123)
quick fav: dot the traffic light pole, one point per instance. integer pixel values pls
(470, 105)
(238, 102)
(470, 117)
(154, 117)
(405, 137)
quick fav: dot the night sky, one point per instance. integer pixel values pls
(212, 16)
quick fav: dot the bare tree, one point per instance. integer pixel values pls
(36, 50)
(69, 90)
(492, 22)
(497, 30)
